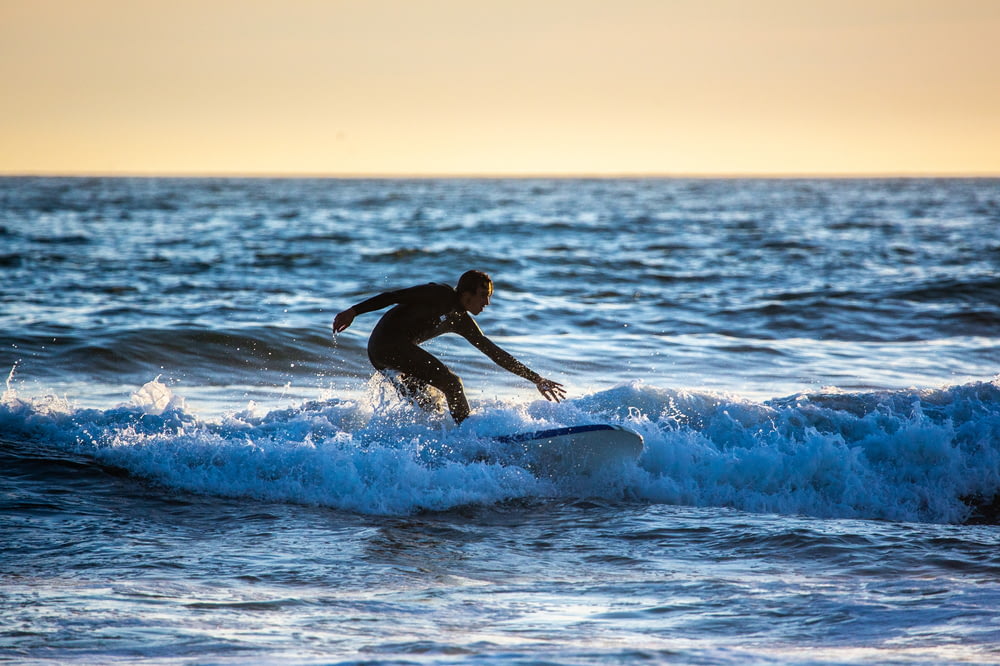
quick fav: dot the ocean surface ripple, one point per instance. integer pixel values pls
(195, 471)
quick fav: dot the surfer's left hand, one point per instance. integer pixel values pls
(551, 390)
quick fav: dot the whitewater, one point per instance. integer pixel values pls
(197, 471)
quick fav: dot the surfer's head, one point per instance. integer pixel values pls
(474, 291)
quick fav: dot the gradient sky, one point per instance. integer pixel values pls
(393, 87)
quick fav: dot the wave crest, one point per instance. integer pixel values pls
(929, 455)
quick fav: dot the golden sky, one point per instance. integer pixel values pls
(425, 87)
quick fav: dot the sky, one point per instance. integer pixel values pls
(500, 87)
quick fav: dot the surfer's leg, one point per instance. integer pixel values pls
(454, 393)
(415, 389)
(418, 369)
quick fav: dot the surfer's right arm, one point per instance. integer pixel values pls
(346, 318)
(385, 299)
(343, 320)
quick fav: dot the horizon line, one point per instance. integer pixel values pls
(776, 175)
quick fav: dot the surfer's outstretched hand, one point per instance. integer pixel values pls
(551, 390)
(343, 320)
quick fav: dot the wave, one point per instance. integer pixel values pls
(199, 353)
(928, 455)
(951, 291)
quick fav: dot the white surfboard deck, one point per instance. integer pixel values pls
(582, 449)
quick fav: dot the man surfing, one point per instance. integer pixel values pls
(427, 311)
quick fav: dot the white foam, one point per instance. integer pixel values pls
(155, 398)
(900, 455)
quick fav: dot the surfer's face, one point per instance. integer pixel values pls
(475, 301)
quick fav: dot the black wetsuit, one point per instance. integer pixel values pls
(422, 313)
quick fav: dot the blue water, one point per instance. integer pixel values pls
(196, 471)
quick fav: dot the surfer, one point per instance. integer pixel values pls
(427, 311)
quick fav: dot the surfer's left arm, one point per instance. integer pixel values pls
(550, 390)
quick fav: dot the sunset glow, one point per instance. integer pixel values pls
(441, 87)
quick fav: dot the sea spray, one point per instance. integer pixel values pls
(892, 455)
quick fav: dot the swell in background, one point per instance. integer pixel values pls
(226, 287)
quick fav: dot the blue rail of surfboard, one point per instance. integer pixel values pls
(554, 432)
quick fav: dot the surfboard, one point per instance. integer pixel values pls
(582, 449)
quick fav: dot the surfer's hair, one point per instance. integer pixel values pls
(473, 281)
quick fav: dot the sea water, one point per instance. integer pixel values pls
(195, 470)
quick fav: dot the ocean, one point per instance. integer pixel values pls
(196, 471)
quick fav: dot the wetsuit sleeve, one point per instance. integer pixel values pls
(408, 295)
(469, 329)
